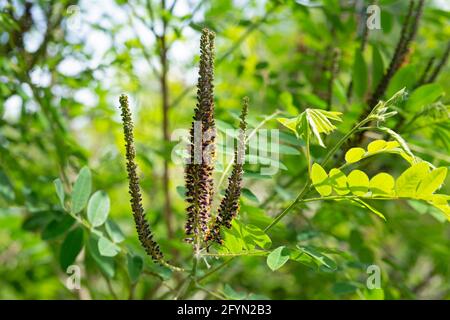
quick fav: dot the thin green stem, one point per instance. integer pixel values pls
(307, 186)
(308, 151)
(238, 254)
(213, 271)
(250, 135)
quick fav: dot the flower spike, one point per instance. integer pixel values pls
(142, 226)
(229, 206)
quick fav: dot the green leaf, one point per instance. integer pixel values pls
(231, 294)
(320, 258)
(342, 288)
(60, 191)
(382, 184)
(288, 103)
(377, 66)
(135, 266)
(81, 190)
(428, 208)
(406, 185)
(338, 181)
(114, 231)
(431, 182)
(407, 154)
(424, 96)
(289, 123)
(354, 155)
(359, 74)
(277, 258)
(105, 264)
(107, 248)
(71, 247)
(57, 227)
(358, 182)
(303, 258)
(247, 193)
(319, 122)
(405, 77)
(320, 181)
(254, 235)
(38, 220)
(368, 206)
(376, 146)
(98, 208)
(232, 241)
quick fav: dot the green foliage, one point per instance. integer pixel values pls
(359, 74)
(312, 122)
(60, 192)
(424, 95)
(98, 208)
(319, 179)
(107, 248)
(244, 239)
(417, 182)
(71, 247)
(277, 258)
(135, 266)
(63, 186)
(81, 190)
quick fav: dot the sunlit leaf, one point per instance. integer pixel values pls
(354, 155)
(319, 179)
(382, 184)
(406, 185)
(358, 182)
(431, 182)
(376, 146)
(338, 181)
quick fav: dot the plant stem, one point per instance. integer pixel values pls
(307, 186)
(191, 277)
(250, 135)
(244, 253)
(206, 275)
(165, 127)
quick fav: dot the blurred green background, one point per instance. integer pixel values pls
(63, 65)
